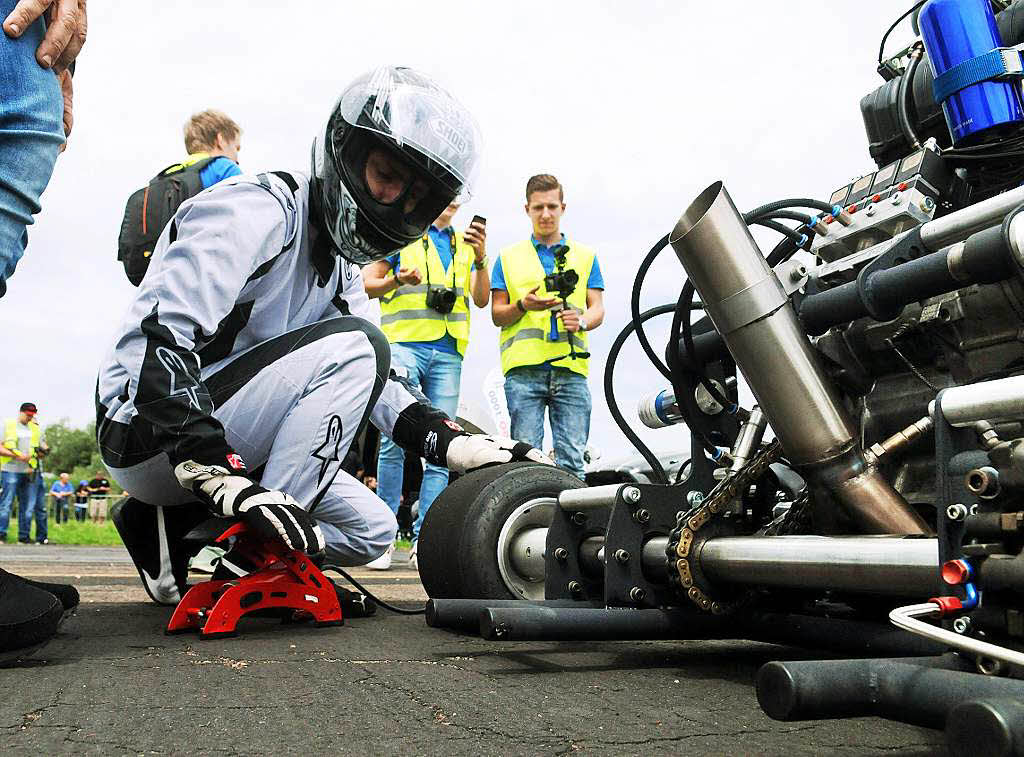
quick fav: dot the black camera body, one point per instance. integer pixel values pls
(563, 282)
(441, 299)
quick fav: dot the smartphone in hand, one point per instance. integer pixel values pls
(478, 219)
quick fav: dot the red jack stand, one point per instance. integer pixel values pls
(286, 579)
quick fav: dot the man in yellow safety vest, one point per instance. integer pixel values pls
(424, 293)
(547, 294)
(19, 464)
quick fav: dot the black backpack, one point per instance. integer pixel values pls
(150, 209)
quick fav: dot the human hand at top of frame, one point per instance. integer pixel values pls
(476, 237)
(66, 27)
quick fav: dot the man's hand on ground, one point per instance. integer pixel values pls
(474, 451)
(272, 514)
(66, 26)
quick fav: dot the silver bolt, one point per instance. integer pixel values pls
(956, 512)
(895, 199)
(561, 554)
(962, 624)
(974, 509)
(694, 498)
(927, 204)
(798, 273)
(869, 210)
(641, 516)
(631, 494)
(500, 630)
(621, 556)
(575, 588)
(637, 594)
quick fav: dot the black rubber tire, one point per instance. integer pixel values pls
(457, 548)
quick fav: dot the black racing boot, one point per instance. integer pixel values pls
(155, 539)
(29, 617)
(66, 594)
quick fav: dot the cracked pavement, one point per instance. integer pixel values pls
(113, 683)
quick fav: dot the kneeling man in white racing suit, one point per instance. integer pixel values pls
(243, 369)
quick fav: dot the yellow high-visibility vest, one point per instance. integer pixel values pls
(528, 340)
(11, 440)
(404, 315)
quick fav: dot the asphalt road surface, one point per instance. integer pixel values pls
(113, 683)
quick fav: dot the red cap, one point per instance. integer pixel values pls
(956, 572)
(947, 605)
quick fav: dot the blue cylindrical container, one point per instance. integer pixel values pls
(957, 30)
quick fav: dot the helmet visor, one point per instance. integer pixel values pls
(412, 110)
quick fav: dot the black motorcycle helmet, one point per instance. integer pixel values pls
(396, 151)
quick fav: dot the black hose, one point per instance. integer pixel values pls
(881, 46)
(789, 215)
(796, 202)
(903, 94)
(634, 305)
(798, 238)
(370, 594)
(609, 390)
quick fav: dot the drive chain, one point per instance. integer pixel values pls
(689, 523)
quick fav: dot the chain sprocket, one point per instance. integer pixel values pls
(682, 571)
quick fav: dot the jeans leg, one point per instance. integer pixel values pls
(526, 392)
(570, 419)
(440, 382)
(31, 131)
(26, 503)
(41, 508)
(391, 459)
(9, 482)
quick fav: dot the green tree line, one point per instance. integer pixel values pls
(74, 451)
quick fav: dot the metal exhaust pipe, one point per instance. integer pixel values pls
(751, 311)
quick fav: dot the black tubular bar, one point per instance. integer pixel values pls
(565, 621)
(464, 614)
(919, 691)
(990, 726)
(986, 258)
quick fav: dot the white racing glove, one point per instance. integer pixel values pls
(471, 452)
(271, 514)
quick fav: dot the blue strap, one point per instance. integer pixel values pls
(1000, 63)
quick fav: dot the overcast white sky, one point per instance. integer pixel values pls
(635, 106)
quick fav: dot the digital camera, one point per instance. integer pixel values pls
(441, 299)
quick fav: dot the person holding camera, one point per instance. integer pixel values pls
(547, 294)
(424, 293)
(23, 445)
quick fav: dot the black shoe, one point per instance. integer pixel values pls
(155, 539)
(66, 594)
(28, 617)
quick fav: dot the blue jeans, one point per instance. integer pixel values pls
(566, 395)
(31, 131)
(437, 375)
(40, 509)
(20, 485)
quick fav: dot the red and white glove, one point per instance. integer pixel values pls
(271, 514)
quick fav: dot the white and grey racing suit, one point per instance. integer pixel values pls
(245, 339)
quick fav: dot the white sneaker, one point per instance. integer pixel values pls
(384, 561)
(413, 563)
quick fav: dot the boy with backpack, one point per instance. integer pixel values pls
(213, 142)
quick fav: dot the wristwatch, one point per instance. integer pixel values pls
(480, 265)
(583, 324)
(519, 306)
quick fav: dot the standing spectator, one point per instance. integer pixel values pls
(99, 488)
(61, 492)
(211, 134)
(81, 500)
(536, 330)
(428, 334)
(22, 441)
